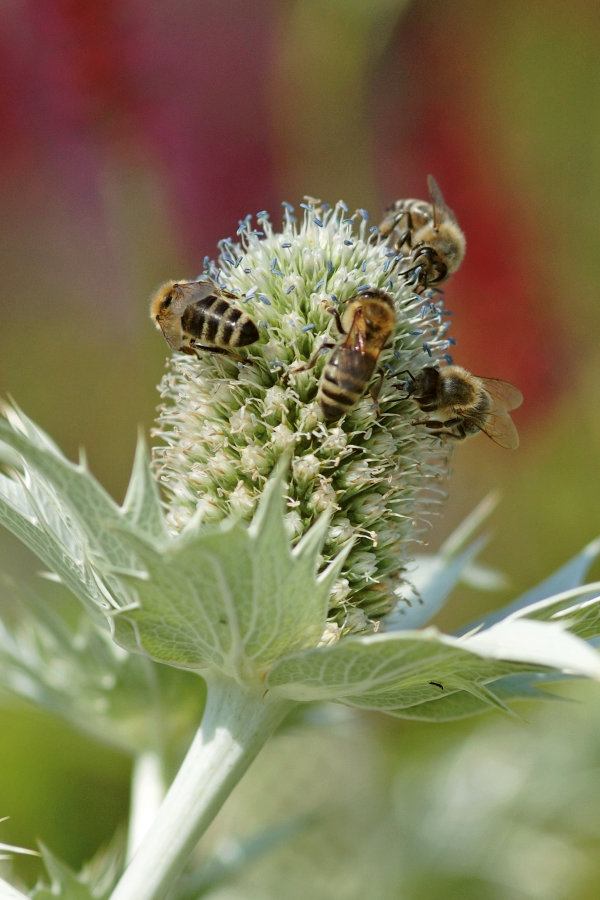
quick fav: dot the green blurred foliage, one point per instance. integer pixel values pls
(58, 788)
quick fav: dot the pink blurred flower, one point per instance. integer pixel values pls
(176, 89)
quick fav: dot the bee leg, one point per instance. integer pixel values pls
(327, 345)
(375, 392)
(408, 388)
(426, 267)
(458, 428)
(434, 271)
(420, 273)
(334, 312)
(405, 237)
(453, 422)
(223, 350)
(403, 240)
(442, 428)
(449, 434)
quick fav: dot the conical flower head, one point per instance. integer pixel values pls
(225, 421)
(285, 530)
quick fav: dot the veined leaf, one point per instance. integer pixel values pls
(414, 672)
(228, 596)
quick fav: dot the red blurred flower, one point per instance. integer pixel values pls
(177, 89)
(504, 327)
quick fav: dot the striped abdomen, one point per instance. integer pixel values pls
(214, 322)
(344, 379)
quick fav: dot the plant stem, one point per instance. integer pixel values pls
(148, 790)
(237, 722)
(8, 892)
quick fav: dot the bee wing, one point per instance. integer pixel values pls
(188, 293)
(355, 339)
(504, 395)
(192, 291)
(437, 200)
(182, 295)
(502, 430)
(171, 335)
(180, 299)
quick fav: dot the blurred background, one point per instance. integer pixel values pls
(134, 136)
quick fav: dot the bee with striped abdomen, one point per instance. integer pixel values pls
(431, 233)
(199, 315)
(465, 404)
(367, 323)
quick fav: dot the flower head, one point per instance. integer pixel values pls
(281, 549)
(226, 422)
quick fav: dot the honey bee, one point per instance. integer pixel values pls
(465, 404)
(431, 233)
(368, 322)
(198, 315)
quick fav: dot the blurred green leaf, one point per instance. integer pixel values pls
(74, 670)
(434, 575)
(230, 859)
(65, 884)
(568, 576)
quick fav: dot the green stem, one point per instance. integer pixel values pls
(237, 722)
(148, 791)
